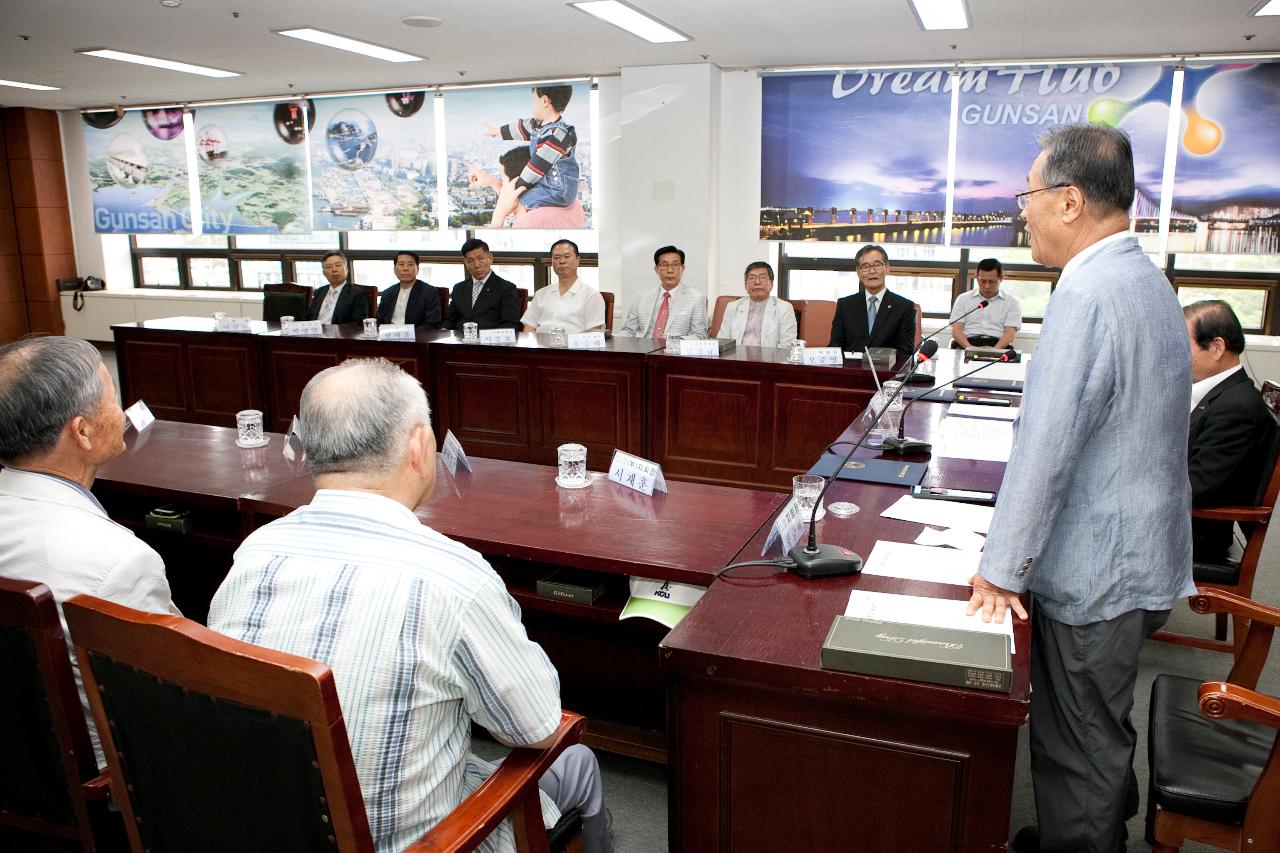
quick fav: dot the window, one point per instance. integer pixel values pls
(310, 273)
(1032, 294)
(159, 272)
(314, 240)
(930, 290)
(380, 274)
(1251, 300)
(255, 274)
(210, 272)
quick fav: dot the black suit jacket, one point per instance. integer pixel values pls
(423, 308)
(895, 323)
(352, 307)
(499, 305)
(1228, 454)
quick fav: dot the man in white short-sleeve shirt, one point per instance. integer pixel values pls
(992, 326)
(571, 304)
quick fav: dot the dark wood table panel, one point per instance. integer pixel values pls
(698, 409)
(805, 418)
(223, 380)
(595, 406)
(486, 407)
(153, 371)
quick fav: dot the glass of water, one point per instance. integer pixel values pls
(805, 489)
(558, 337)
(572, 459)
(796, 356)
(249, 428)
(370, 327)
(470, 332)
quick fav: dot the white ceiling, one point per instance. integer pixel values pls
(492, 40)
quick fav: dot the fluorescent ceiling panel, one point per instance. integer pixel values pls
(632, 20)
(941, 14)
(363, 48)
(1272, 7)
(168, 64)
(35, 86)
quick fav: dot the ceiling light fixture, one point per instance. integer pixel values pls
(1270, 7)
(363, 48)
(35, 86)
(632, 20)
(420, 21)
(168, 64)
(941, 14)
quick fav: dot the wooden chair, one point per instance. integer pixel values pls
(444, 304)
(799, 306)
(1212, 747)
(1237, 576)
(717, 313)
(608, 309)
(215, 744)
(50, 786)
(371, 293)
(524, 300)
(285, 299)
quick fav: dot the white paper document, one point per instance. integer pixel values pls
(975, 410)
(941, 513)
(975, 438)
(918, 610)
(918, 563)
(1001, 370)
(964, 540)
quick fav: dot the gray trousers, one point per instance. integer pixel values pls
(1082, 739)
(573, 782)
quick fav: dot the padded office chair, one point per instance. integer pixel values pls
(799, 306)
(524, 300)
(1215, 773)
(608, 309)
(444, 304)
(919, 325)
(1236, 574)
(50, 787)
(285, 299)
(371, 293)
(717, 313)
(215, 745)
(819, 314)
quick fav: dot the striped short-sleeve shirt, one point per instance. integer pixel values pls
(422, 638)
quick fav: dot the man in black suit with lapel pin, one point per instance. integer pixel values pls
(891, 318)
(412, 301)
(484, 298)
(339, 301)
(1231, 430)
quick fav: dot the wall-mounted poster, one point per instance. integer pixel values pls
(520, 156)
(138, 172)
(1003, 111)
(252, 164)
(857, 156)
(373, 163)
(1226, 190)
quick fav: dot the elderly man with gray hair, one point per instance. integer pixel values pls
(420, 632)
(59, 422)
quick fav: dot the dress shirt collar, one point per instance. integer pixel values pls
(481, 281)
(367, 504)
(574, 289)
(1088, 252)
(72, 484)
(673, 291)
(1201, 389)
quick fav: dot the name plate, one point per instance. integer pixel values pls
(497, 336)
(293, 441)
(824, 356)
(453, 454)
(299, 328)
(232, 324)
(397, 333)
(587, 340)
(702, 349)
(788, 527)
(139, 416)
(636, 473)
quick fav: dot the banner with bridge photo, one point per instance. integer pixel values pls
(855, 156)
(1003, 110)
(1226, 188)
(373, 163)
(138, 171)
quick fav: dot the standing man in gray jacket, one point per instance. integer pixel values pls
(1092, 516)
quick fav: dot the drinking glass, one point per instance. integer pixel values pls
(572, 459)
(805, 488)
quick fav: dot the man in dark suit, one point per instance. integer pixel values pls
(484, 297)
(412, 301)
(890, 317)
(337, 302)
(1231, 429)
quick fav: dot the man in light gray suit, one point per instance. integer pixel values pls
(671, 310)
(1092, 516)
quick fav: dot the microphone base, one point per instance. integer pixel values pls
(829, 561)
(893, 444)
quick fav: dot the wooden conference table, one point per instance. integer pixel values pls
(747, 418)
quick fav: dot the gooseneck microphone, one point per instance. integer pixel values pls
(935, 333)
(828, 561)
(901, 444)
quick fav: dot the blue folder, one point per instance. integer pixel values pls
(888, 471)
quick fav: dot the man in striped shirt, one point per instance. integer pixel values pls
(419, 631)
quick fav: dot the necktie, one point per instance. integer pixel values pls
(871, 312)
(476, 287)
(660, 325)
(330, 303)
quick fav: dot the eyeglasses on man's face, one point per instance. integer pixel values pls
(1021, 197)
(871, 266)
(670, 265)
(761, 277)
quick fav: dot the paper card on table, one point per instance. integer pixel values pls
(919, 563)
(139, 416)
(302, 327)
(824, 356)
(662, 601)
(941, 513)
(401, 332)
(497, 336)
(636, 473)
(975, 438)
(975, 410)
(964, 540)
(587, 340)
(1015, 371)
(453, 453)
(293, 441)
(232, 324)
(709, 348)
(788, 526)
(919, 610)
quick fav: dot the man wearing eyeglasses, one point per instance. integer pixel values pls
(671, 310)
(874, 317)
(1092, 516)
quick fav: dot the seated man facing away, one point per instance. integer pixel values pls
(419, 631)
(60, 421)
(1230, 428)
(993, 326)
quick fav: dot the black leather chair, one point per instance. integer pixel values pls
(285, 299)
